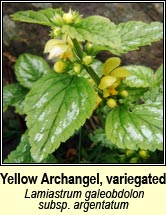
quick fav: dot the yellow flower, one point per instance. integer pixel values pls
(68, 55)
(67, 40)
(55, 48)
(116, 84)
(106, 93)
(120, 72)
(109, 91)
(106, 81)
(112, 77)
(110, 64)
(112, 91)
(110, 68)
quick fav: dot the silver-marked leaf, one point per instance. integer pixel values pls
(140, 76)
(14, 95)
(22, 153)
(141, 128)
(153, 95)
(56, 106)
(29, 68)
(96, 29)
(134, 34)
(158, 76)
(135, 93)
(43, 17)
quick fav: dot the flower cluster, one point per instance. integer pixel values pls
(112, 77)
(62, 49)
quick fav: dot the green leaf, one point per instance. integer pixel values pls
(158, 76)
(96, 29)
(135, 93)
(22, 153)
(141, 76)
(99, 136)
(153, 95)
(29, 68)
(140, 127)
(97, 67)
(49, 159)
(56, 106)
(14, 95)
(134, 34)
(43, 17)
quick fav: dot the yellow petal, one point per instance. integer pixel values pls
(116, 84)
(113, 92)
(68, 54)
(67, 40)
(106, 93)
(106, 81)
(57, 50)
(110, 64)
(120, 72)
(51, 43)
(98, 101)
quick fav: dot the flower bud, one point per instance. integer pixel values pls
(87, 60)
(89, 47)
(57, 19)
(111, 103)
(56, 31)
(60, 66)
(77, 68)
(68, 18)
(143, 154)
(134, 160)
(124, 93)
(130, 152)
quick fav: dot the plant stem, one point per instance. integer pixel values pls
(92, 74)
(78, 49)
(79, 145)
(90, 71)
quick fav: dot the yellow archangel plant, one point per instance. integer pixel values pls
(57, 105)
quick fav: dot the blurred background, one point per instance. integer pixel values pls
(21, 38)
